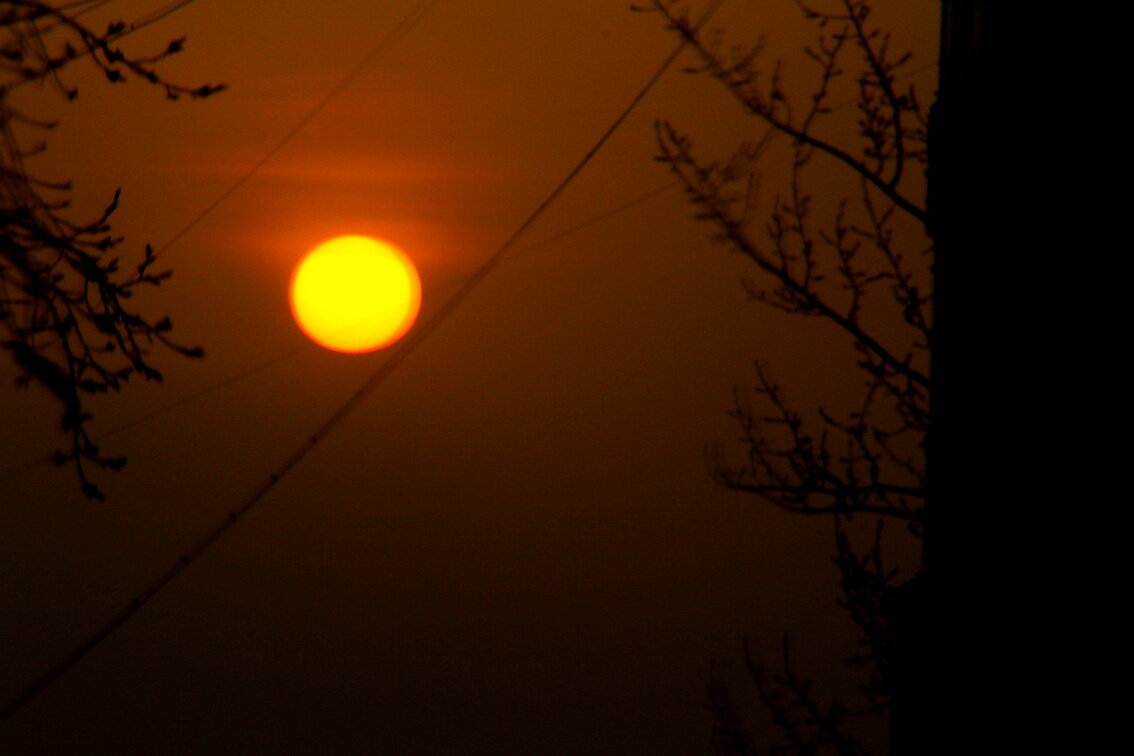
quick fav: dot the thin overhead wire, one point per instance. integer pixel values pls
(413, 18)
(140, 23)
(399, 30)
(396, 32)
(90, 5)
(154, 16)
(409, 345)
(627, 205)
(83, 7)
(274, 360)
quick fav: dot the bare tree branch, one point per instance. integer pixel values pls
(63, 292)
(860, 263)
(772, 106)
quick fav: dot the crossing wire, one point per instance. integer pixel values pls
(247, 372)
(415, 15)
(259, 367)
(409, 344)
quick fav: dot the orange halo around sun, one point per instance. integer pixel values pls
(355, 294)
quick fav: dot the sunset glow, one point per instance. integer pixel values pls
(355, 294)
(502, 423)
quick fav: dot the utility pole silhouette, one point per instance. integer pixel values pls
(928, 620)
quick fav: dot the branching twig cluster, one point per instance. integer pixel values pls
(850, 263)
(63, 291)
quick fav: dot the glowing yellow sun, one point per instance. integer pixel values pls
(355, 294)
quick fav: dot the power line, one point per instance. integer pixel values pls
(413, 18)
(155, 16)
(259, 367)
(409, 344)
(399, 30)
(83, 7)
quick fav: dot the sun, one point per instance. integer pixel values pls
(355, 294)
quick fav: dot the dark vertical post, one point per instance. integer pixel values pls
(925, 614)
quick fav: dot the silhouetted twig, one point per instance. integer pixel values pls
(63, 290)
(860, 262)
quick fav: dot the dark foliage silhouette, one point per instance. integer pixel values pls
(64, 288)
(843, 239)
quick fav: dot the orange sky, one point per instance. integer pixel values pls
(516, 540)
